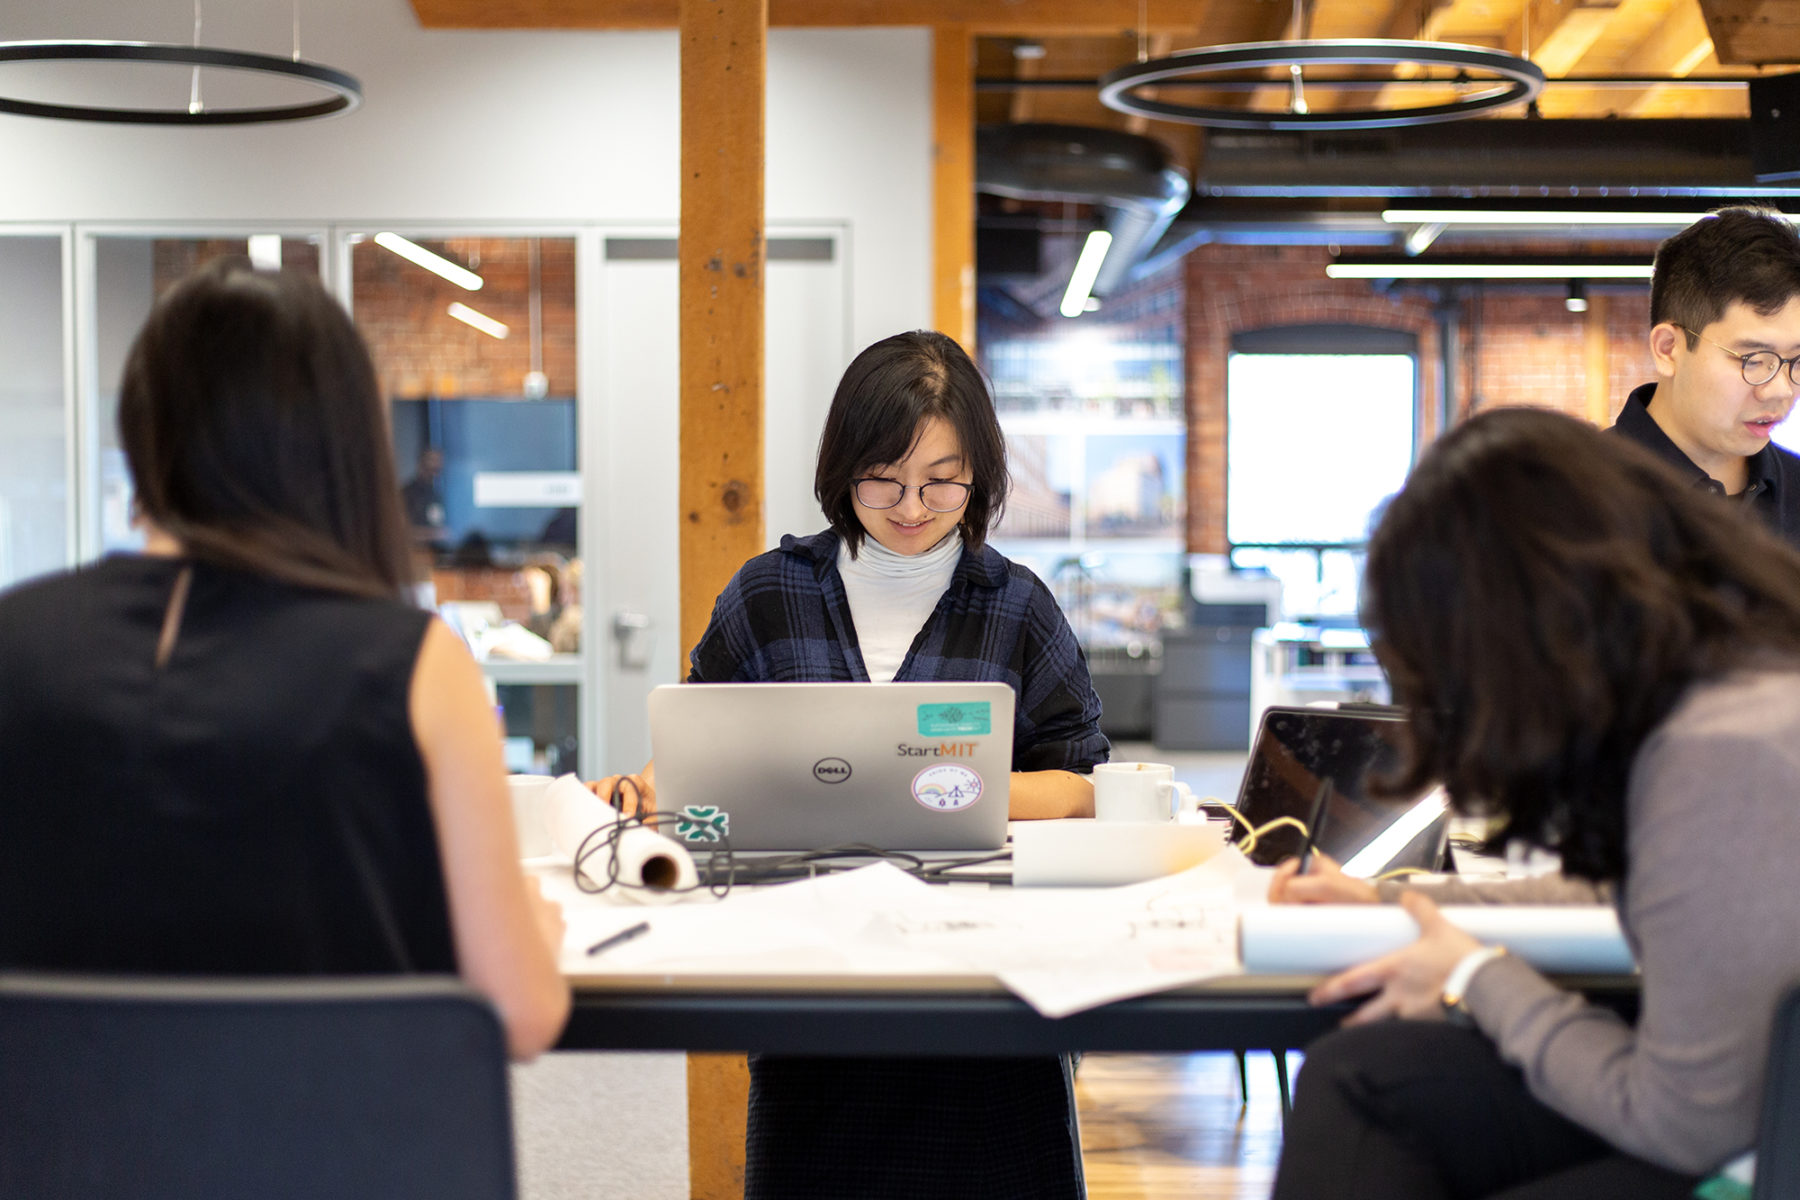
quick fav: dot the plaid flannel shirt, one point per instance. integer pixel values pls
(784, 618)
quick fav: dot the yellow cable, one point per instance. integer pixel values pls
(1399, 872)
(1252, 833)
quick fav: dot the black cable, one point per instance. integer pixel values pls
(721, 868)
(607, 837)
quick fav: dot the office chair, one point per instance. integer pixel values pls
(1778, 1133)
(122, 1088)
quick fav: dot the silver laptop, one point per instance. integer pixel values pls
(804, 766)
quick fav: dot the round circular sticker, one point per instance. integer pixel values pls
(946, 787)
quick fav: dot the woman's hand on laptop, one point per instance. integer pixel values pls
(630, 794)
(1323, 884)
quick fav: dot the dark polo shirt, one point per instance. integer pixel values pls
(1773, 490)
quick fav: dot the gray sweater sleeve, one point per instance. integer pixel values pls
(1540, 889)
(1710, 907)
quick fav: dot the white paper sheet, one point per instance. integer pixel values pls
(1060, 950)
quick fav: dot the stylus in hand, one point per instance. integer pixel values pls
(1313, 823)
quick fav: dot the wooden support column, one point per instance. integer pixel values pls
(1596, 349)
(953, 183)
(724, 46)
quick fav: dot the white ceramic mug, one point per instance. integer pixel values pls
(1140, 791)
(531, 813)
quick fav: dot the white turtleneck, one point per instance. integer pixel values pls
(892, 595)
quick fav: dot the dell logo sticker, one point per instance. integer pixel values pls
(831, 770)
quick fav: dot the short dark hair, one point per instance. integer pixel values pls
(252, 422)
(887, 392)
(1542, 595)
(1734, 254)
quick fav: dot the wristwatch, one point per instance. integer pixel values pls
(1456, 984)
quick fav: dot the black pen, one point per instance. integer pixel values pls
(620, 938)
(1312, 825)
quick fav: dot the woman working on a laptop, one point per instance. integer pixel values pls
(902, 586)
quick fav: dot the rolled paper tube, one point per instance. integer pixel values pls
(658, 869)
(1316, 939)
(655, 869)
(575, 813)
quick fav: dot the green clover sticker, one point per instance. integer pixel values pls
(703, 823)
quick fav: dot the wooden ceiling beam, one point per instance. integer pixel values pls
(1331, 21)
(1024, 18)
(1680, 45)
(1422, 20)
(1748, 33)
(1433, 21)
(1556, 34)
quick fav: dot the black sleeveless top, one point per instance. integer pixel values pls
(254, 805)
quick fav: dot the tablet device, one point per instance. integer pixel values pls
(1297, 750)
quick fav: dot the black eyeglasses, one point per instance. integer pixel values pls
(938, 495)
(1760, 367)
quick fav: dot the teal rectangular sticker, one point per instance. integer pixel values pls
(951, 720)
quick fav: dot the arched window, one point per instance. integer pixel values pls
(1321, 426)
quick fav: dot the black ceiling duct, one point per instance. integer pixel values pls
(1493, 158)
(1775, 128)
(1127, 176)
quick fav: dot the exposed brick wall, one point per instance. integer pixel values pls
(502, 585)
(1239, 288)
(1519, 345)
(1525, 347)
(174, 259)
(421, 351)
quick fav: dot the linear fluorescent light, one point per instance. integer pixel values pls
(1453, 216)
(1419, 240)
(481, 321)
(1087, 269)
(1425, 270)
(437, 264)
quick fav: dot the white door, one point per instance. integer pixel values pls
(806, 349)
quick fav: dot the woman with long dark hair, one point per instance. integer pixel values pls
(1607, 661)
(240, 752)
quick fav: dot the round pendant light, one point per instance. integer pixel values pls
(344, 92)
(1509, 80)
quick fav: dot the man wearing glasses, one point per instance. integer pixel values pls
(1725, 337)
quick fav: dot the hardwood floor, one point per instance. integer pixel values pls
(1170, 1127)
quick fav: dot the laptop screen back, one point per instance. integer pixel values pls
(1297, 749)
(805, 766)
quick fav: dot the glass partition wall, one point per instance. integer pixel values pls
(474, 339)
(130, 271)
(36, 410)
(479, 370)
